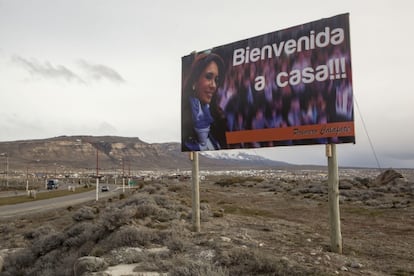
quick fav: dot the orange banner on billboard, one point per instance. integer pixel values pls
(343, 129)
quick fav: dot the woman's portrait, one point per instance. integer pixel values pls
(201, 122)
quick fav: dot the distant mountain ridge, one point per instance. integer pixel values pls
(242, 157)
(114, 152)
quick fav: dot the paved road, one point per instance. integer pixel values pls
(8, 211)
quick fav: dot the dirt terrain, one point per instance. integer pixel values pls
(250, 225)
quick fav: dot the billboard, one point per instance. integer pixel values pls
(288, 87)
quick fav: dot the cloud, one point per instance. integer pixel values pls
(47, 70)
(99, 71)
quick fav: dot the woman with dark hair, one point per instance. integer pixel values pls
(205, 77)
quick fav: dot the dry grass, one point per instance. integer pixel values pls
(231, 181)
(135, 221)
(246, 230)
(40, 196)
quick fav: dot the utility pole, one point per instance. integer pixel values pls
(5, 154)
(123, 176)
(27, 179)
(129, 174)
(97, 175)
(7, 170)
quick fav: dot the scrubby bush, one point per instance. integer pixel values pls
(227, 182)
(125, 255)
(7, 228)
(15, 263)
(365, 181)
(146, 210)
(176, 244)
(187, 267)
(176, 188)
(84, 213)
(136, 200)
(130, 236)
(114, 218)
(232, 181)
(80, 233)
(255, 262)
(149, 189)
(39, 232)
(156, 207)
(47, 243)
(45, 264)
(163, 201)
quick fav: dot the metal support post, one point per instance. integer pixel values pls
(333, 199)
(195, 192)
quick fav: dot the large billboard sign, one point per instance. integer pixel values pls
(289, 87)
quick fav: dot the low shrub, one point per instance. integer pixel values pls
(130, 236)
(255, 262)
(80, 233)
(146, 210)
(114, 218)
(47, 243)
(175, 188)
(232, 181)
(7, 228)
(187, 267)
(84, 213)
(176, 244)
(17, 262)
(39, 232)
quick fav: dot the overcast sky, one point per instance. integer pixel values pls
(101, 67)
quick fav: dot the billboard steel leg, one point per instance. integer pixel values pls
(333, 199)
(195, 192)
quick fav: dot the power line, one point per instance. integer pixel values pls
(366, 132)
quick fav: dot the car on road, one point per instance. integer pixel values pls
(104, 188)
(52, 184)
